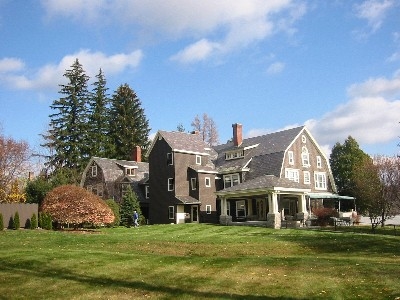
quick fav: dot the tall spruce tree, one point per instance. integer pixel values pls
(67, 138)
(99, 107)
(129, 126)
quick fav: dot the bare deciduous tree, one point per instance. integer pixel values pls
(207, 128)
(14, 162)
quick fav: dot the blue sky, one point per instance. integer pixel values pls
(333, 66)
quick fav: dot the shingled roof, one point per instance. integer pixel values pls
(266, 151)
(265, 182)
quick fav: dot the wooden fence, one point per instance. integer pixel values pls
(24, 210)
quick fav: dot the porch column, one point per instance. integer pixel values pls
(224, 219)
(273, 217)
(302, 208)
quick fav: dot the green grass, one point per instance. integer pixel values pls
(200, 261)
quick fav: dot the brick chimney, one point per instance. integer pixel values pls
(237, 134)
(137, 154)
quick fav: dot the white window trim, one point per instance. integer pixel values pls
(193, 183)
(292, 174)
(207, 181)
(303, 139)
(198, 160)
(231, 179)
(170, 159)
(307, 177)
(291, 157)
(319, 162)
(147, 191)
(171, 184)
(320, 184)
(94, 171)
(130, 171)
(171, 212)
(208, 209)
(305, 157)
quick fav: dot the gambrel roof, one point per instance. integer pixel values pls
(113, 169)
(266, 151)
(185, 143)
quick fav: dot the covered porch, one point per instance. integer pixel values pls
(269, 201)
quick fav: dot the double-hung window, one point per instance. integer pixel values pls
(320, 180)
(198, 160)
(207, 181)
(170, 159)
(94, 170)
(193, 183)
(171, 183)
(147, 191)
(292, 174)
(171, 212)
(305, 157)
(231, 180)
(319, 162)
(291, 157)
(307, 179)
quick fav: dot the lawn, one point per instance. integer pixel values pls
(199, 261)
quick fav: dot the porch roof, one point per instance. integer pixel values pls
(265, 184)
(186, 200)
(329, 196)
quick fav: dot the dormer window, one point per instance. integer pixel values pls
(198, 160)
(234, 154)
(130, 172)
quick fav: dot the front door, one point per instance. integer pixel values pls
(195, 213)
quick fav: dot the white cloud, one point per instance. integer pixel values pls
(10, 64)
(371, 116)
(374, 11)
(49, 76)
(212, 27)
(275, 68)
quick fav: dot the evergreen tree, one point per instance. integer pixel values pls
(129, 204)
(343, 161)
(99, 105)
(67, 138)
(129, 126)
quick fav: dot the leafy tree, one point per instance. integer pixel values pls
(129, 126)
(70, 204)
(115, 208)
(344, 157)
(45, 221)
(378, 186)
(129, 204)
(14, 162)
(207, 128)
(180, 128)
(99, 105)
(67, 138)
(15, 195)
(37, 189)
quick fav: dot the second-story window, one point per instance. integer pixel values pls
(207, 181)
(307, 179)
(231, 180)
(320, 180)
(170, 159)
(193, 183)
(171, 184)
(94, 171)
(292, 174)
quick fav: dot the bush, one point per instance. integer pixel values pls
(324, 215)
(45, 221)
(34, 222)
(16, 221)
(1, 223)
(115, 208)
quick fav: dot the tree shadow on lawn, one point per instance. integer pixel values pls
(35, 268)
(331, 241)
